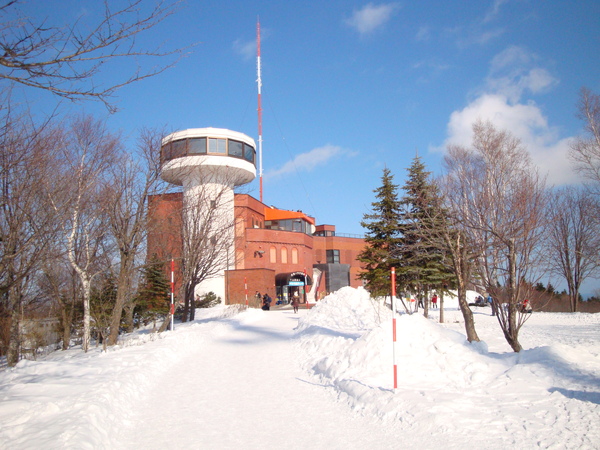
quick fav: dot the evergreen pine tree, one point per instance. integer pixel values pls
(422, 265)
(381, 237)
(152, 300)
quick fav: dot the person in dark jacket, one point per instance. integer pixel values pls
(295, 303)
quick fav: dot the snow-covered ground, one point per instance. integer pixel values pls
(321, 378)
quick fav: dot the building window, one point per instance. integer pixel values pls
(217, 145)
(273, 255)
(197, 146)
(284, 255)
(236, 149)
(294, 256)
(333, 256)
(249, 153)
(178, 148)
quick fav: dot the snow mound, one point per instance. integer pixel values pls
(346, 343)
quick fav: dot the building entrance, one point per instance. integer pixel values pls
(293, 283)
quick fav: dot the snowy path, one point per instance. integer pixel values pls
(243, 388)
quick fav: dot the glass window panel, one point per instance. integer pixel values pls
(178, 148)
(333, 256)
(249, 153)
(166, 152)
(217, 145)
(236, 149)
(196, 146)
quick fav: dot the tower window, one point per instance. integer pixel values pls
(217, 145)
(196, 146)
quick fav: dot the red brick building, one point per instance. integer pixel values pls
(270, 250)
(277, 251)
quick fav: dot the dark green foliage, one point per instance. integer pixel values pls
(381, 237)
(102, 301)
(422, 264)
(208, 300)
(153, 298)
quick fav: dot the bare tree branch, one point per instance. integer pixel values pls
(67, 60)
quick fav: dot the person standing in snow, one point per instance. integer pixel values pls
(490, 300)
(295, 302)
(434, 300)
(526, 307)
(266, 302)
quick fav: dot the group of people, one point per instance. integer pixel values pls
(524, 307)
(265, 300)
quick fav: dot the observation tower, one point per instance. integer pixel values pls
(209, 163)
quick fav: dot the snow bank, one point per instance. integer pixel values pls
(346, 343)
(77, 400)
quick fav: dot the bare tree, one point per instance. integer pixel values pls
(503, 200)
(455, 243)
(207, 231)
(26, 227)
(65, 60)
(585, 150)
(135, 177)
(88, 152)
(59, 282)
(574, 238)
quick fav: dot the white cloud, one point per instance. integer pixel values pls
(494, 10)
(513, 74)
(308, 161)
(423, 34)
(515, 71)
(524, 121)
(247, 49)
(371, 17)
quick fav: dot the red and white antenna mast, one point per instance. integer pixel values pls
(259, 83)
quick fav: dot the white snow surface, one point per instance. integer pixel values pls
(319, 379)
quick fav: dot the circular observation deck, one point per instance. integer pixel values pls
(211, 152)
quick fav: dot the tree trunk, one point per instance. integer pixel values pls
(67, 320)
(129, 310)
(14, 343)
(122, 292)
(442, 307)
(85, 340)
(512, 333)
(460, 272)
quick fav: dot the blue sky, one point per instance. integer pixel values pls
(351, 87)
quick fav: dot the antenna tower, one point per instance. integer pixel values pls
(259, 83)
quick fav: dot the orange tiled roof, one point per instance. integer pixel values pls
(282, 214)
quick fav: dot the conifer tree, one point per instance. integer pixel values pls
(152, 300)
(421, 264)
(381, 237)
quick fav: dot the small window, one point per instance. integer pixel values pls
(333, 256)
(294, 256)
(166, 152)
(178, 148)
(196, 146)
(284, 255)
(249, 153)
(236, 149)
(217, 145)
(273, 255)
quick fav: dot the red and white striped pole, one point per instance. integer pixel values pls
(172, 294)
(246, 290)
(394, 328)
